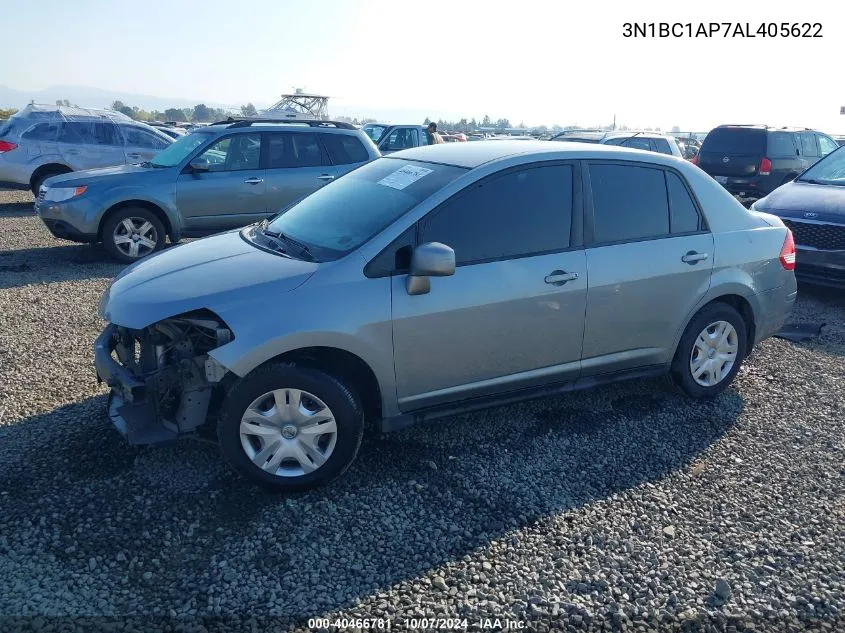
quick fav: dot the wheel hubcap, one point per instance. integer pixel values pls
(288, 432)
(714, 353)
(135, 237)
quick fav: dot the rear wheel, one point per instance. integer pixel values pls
(132, 233)
(290, 428)
(39, 178)
(711, 351)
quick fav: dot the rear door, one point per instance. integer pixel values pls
(90, 144)
(784, 152)
(296, 166)
(809, 148)
(231, 193)
(40, 142)
(141, 145)
(733, 151)
(649, 259)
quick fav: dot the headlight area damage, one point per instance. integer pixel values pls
(161, 377)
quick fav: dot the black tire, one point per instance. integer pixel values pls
(136, 215)
(37, 181)
(340, 399)
(681, 370)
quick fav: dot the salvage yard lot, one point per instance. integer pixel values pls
(623, 503)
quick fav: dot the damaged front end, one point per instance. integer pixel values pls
(163, 382)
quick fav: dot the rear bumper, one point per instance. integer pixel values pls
(825, 268)
(776, 306)
(751, 188)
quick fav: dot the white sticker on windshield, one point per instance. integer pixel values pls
(407, 175)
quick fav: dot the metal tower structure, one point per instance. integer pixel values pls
(300, 105)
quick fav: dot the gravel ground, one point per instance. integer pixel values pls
(623, 508)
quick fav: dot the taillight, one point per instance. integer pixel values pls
(694, 160)
(765, 167)
(7, 146)
(787, 253)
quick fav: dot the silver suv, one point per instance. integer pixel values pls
(42, 141)
(218, 177)
(647, 141)
(437, 280)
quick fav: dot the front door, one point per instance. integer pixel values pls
(231, 193)
(649, 260)
(512, 315)
(296, 167)
(400, 138)
(141, 145)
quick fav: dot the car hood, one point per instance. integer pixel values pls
(220, 273)
(108, 174)
(798, 199)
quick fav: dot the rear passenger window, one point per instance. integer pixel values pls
(808, 144)
(294, 149)
(781, 144)
(662, 145)
(525, 212)
(45, 131)
(684, 215)
(344, 149)
(629, 203)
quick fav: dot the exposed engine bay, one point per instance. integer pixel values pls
(166, 379)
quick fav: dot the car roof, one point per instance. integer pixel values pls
(471, 155)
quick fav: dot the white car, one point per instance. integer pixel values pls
(648, 141)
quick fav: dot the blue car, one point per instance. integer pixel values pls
(813, 207)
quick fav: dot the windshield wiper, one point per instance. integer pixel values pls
(278, 235)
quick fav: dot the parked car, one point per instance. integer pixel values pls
(813, 207)
(374, 130)
(751, 161)
(437, 280)
(216, 178)
(399, 137)
(648, 141)
(172, 132)
(840, 140)
(42, 141)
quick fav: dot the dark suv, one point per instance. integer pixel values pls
(751, 161)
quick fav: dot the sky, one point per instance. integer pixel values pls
(537, 62)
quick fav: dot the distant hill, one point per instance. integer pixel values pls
(87, 96)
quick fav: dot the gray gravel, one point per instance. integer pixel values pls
(626, 507)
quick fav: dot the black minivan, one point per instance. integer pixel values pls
(751, 161)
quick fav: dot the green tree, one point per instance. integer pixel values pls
(5, 114)
(248, 110)
(485, 122)
(427, 121)
(174, 114)
(201, 113)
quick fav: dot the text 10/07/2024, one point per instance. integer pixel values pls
(721, 29)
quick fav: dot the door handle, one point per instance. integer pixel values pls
(253, 181)
(325, 177)
(133, 156)
(560, 277)
(693, 258)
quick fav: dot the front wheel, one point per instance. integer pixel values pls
(132, 233)
(290, 428)
(711, 351)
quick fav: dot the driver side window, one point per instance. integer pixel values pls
(233, 153)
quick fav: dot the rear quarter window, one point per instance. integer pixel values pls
(344, 149)
(736, 141)
(782, 144)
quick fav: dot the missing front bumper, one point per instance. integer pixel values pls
(134, 405)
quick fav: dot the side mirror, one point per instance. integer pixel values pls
(432, 259)
(200, 164)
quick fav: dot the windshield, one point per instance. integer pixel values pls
(374, 131)
(830, 170)
(178, 151)
(339, 217)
